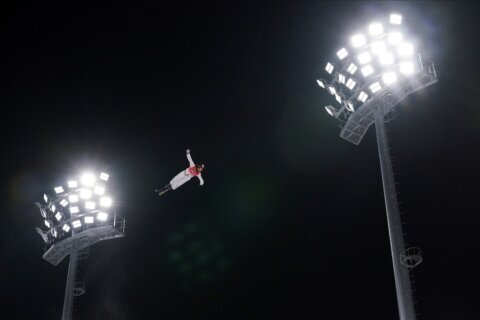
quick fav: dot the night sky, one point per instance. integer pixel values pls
(290, 223)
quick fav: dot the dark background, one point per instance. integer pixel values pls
(291, 221)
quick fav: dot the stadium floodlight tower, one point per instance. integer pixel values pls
(77, 216)
(369, 77)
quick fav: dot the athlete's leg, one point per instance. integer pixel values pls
(179, 179)
(168, 187)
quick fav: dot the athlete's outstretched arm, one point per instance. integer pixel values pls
(201, 180)
(189, 157)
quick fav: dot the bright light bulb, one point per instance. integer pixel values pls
(352, 68)
(367, 70)
(52, 207)
(405, 49)
(73, 198)
(406, 68)
(332, 90)
(104, 176)
(59, 189)
(358, 40)
(330, 110)
(85, 194)
(102, 216)
(88, 179)
(105, 201)
(342, 53)
(74, 209)
(45, 197)
(320, 83)
(395, 18)
(378, 47)
(329, 68)
(364, 58)
(386, 59)
(341, 78)
(375, 87)
(47, 223)
(375, 29)
(99, 190)
(76, 224)
(90, 205)
(363, 96)
(66, 228)
(338, 98)
(351, 84)
(395, 38)
(89, 219)
(64, 203)
(72, 184)
(58, 216)
(389, 77)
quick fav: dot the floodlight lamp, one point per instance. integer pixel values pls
(54, 232)
(85, 194)
(321, 84)
(45, 198)
(99, 190)
(342, 53)
(90, 205)
(341, 78)
(102, 216)
(88, 179)
(72, 184)
(395, 18)
(104, 176)
(352, 68)
(386, 59)
(43, 212)
(64, 203)
(364, 58)
(331, 110)
(332, 90)
(389, 77)
(358, 40)
(395, 38)
(73, 198)
(89, 219)
(59, 189)
(406, 68)
(58, 216)
(66, 227)
(52, 207)
(378, 47)
(350, 106)
(351, 84)
(367, 70)
(74, 209)
(338, 98)
(329, 68)
(47, 223)
(105, 201)
(76, 224)
(363, 96)
(375, 87)
(375, 29)
(405, 49)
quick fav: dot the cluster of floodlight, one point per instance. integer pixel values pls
(382, 56)
(80, 204)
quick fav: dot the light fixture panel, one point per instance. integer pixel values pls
(73, 198)
(375, 29)
(76, 224)
(63, 203)
(321, 84)
(85, 194)
(59, 190)
(375, 87)
(104, 176)
(74, 209)
(367, 70)
(395, 19)
(105, 201)
(88, 179)
(58, 216)
(389, 77)
(66, 227)
(363, 96)
(329, 68)
(352, 68)
(102, 216)
(89, 219)
(351, 84)
(99, 190)
(342, 53)
(341, 78)
(72, 184)
(364, 57)
(358, 40)
(90, 205)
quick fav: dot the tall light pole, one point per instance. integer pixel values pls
(77, 215)
(370, 77)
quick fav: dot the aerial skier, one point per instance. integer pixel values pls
(194, 170)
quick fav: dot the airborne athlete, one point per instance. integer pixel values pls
(194, 170)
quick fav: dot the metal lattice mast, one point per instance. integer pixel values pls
(403, 287)
(389, 74)
(69, 287)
